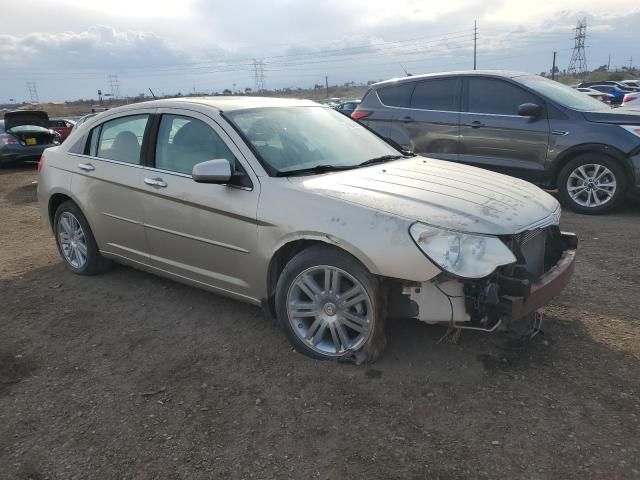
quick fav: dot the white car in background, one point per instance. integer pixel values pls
(631, 100)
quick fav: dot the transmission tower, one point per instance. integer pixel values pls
(578, 62)
(114, 85)
(258, 76)
(33, 92)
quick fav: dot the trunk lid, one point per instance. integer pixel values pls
(443, 194)
(26, 117)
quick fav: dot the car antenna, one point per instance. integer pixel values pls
(152, 94)
(404, 70)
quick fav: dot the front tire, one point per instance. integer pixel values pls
(75, 241)
(592, 184)
(330, 306)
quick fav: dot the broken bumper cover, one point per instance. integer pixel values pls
(522, 297)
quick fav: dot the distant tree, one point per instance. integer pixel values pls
(226, 91)
(248, 90)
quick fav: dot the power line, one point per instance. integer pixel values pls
(578, 62)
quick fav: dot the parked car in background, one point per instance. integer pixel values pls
(620, 85)
(515, 123)
(290, 205)
(631, 83)
(62, 126)
(631, 100)
(347, 108)
(24, 135)
(603, 97)
(616, 93)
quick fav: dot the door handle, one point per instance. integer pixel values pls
(407, 119)
(87, 167)
(155, 182)
(476, 124)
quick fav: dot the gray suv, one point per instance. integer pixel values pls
(515, 123)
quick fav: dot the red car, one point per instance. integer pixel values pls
(62, 126)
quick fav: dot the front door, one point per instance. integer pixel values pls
(494, 136)
(206, 233)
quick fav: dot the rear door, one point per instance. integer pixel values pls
(494, 136)
(430, 125)
(202, 232)
(107, 183)
(380, 106)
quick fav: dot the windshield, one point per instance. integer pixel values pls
(565, 96)
(296, 138)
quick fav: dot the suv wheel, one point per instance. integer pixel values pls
(592, 184)
(75, 240)
(330, 307)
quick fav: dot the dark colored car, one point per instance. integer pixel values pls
(617, 94)
(620, 85)
(62, 126)
(520, 124)
(347, 107)
(24, 135)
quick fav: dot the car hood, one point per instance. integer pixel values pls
(443, 194)
(26, 117)
(622, 116)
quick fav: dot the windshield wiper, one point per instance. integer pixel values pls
(382, 159)
(316, 169)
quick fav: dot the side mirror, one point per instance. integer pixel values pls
(529, 110)
(212, 171)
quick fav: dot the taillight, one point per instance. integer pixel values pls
(8, 140)
(360, 114)
(627, 98)
(41, 163)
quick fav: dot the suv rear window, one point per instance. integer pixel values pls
(437, 94)
(396, 95)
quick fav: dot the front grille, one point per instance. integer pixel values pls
(531, 249)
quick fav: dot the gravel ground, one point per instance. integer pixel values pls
(130, 376)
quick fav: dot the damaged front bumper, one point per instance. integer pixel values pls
(505, 301)
(521, 296)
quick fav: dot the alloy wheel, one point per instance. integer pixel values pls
(72, 240)
(329, 310)
(591, 185)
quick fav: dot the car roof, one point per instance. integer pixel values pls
(221, 103)
(484, 73)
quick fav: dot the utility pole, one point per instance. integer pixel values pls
(475, 43)
(609, 63)
(114, 85)
(630, 63)
(258, 75)
(578, 62)
(553, 68)
(326, 82)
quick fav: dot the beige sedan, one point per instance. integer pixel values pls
(291, 205)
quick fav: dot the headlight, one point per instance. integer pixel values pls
(634, 129)
(463, 254)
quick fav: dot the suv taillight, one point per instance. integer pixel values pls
(360, 114)
(41, 163)
(628, 98)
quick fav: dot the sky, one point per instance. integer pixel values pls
(70, 49)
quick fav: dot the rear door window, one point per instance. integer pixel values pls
(397, 95)
(121, 139)
(436, 94)
(489, 95)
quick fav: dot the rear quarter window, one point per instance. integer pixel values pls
(396, 95)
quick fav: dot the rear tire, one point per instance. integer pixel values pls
(331, 307)
(75, 241)
(592, 184)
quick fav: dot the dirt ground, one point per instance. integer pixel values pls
(129, 376)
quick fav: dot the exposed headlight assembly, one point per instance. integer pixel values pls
(462, 254)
